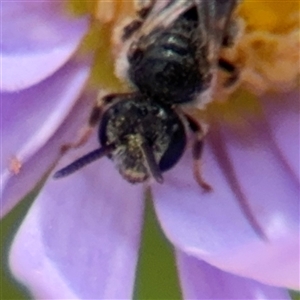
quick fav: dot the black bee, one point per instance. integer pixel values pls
(172, 53)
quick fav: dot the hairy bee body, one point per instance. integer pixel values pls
(169, 63)
(170, 56)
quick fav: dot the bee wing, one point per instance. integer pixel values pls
(214, 15)
(163, 14)
(214, 19)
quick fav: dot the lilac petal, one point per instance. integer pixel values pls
(200, 280)
(80, 239)
(29, 120)
(34, 169)
(282, 113)
(212, 226)
(37, 38)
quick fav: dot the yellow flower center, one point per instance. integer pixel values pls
(268, 50)
(272, 16)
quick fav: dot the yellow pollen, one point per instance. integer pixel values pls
(114, 11)
(271, 16)
(268, 50)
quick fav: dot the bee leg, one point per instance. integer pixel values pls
(131, 28)
(93, 120)
(197, 152)
(231, 69)
(233, 31)
(144, 8)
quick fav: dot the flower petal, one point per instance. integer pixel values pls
(282, 113)
(80, 239)
(200, 280)
(213, 227)
(29, 120)
(38, 37)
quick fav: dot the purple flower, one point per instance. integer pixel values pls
(80, 239)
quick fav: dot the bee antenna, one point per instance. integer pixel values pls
(152, 164)
(83, 161)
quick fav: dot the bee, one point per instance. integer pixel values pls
(172, 54)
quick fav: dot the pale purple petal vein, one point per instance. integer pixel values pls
(200, 280)
(284, 124)
(212, 227)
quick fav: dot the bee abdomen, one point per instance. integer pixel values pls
(164, 66)
(174, 44)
